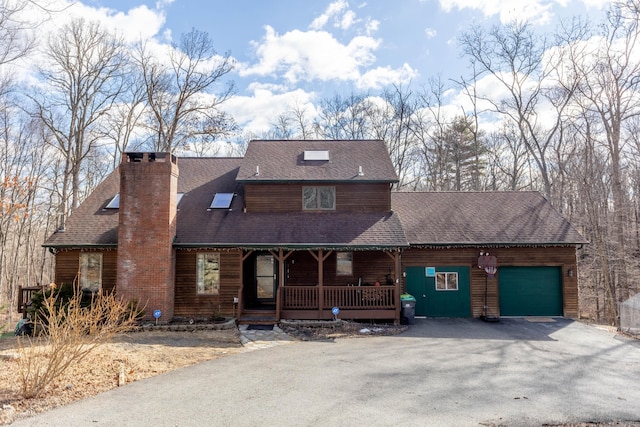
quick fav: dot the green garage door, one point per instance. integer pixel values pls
(440, 291)
(530, 291)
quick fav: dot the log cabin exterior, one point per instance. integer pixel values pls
(296, 228)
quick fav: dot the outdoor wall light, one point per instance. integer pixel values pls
(570, 272)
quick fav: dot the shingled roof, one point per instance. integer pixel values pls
(92, 224)
(421, 219)
(482, 218)
(198, 226)
(351, 161)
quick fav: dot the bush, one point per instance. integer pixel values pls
(38, 310)
(68, 330)
(60, 296)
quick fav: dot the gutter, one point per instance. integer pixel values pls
(55, 248)
(287, 246)
(495, 244)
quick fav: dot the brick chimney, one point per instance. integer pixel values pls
(146, 229)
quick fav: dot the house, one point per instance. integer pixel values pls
(295, 229)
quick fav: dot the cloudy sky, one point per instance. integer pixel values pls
(297, 52)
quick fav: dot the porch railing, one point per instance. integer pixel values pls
(25, 293)
(343, 297)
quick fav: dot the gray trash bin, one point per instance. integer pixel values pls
(408, 312)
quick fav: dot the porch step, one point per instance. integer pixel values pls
(258, 317)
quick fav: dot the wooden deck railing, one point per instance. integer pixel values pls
(25, 293)
(343, 297)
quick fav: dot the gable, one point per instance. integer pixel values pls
(318, 161)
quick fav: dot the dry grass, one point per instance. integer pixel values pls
(141, 355)
(67, 333)
(133, 357)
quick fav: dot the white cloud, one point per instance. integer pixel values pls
(371, 26)
(137, 23)
(348, 19)
(597, 4)
(538, 11)
(311, 55)
(383, 76)
(332, 10)
(255, 113)
(430, 32)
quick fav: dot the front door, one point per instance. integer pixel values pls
(265, 278)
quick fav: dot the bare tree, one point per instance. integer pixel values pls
(292, 123)
(22, 217)
(123, 118)
(15, 41)
(282, 127)
(179, 92)
(83, 77)
(609, 70)
(343, 117)
(392, 121)
(509, 158)
(513, 56)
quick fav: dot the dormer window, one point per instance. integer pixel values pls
(221, 201)
(318, 198)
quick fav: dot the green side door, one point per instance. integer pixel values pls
(530, 291)
(445, 293)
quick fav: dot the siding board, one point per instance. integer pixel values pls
(360, 197)
(68, 264)
(189, 304)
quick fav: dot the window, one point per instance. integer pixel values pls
(91, 271)
(322, 155)
(115, 202)
(221, 201)
(208, 273)
(318, 198)
(344, 263)
(446, 281)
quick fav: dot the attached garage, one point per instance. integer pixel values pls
(534, 246)
(530, 291)
(440, 291)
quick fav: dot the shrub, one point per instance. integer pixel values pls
(68, 330)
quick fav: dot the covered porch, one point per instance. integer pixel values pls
(310, 283)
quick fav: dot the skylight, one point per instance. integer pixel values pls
(316, 155)
(221, 201)
(115, 202)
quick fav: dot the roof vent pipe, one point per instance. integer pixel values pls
(257, 170)
(360, 173)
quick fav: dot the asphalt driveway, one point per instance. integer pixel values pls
(442, 372)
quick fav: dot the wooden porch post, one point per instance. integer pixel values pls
(320, 257)
(281, 257)
(395, 256)
(320, 283)
(243, 258)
